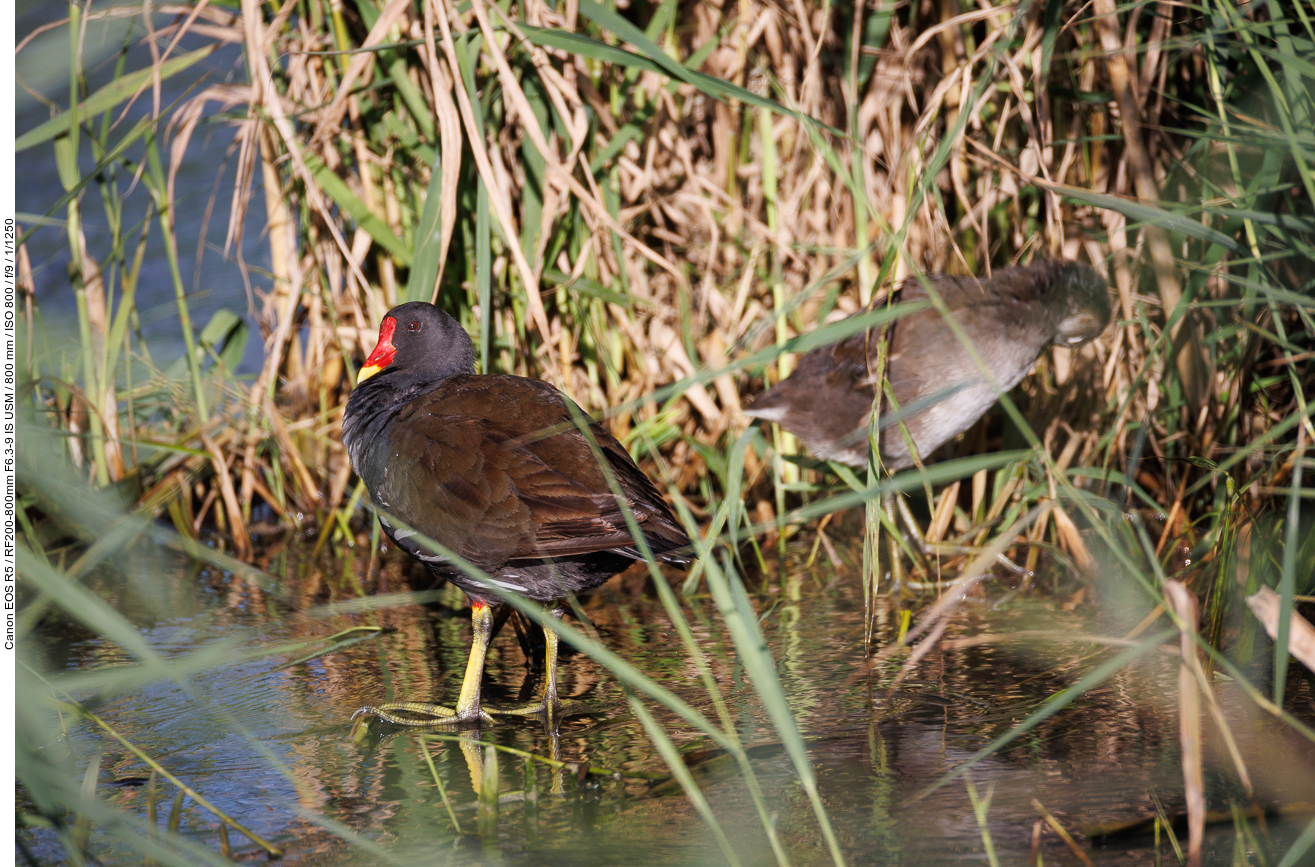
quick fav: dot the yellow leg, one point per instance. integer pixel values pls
(550, 667)
(481, 619)
(468, 710)
(550, 708)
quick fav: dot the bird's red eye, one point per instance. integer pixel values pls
(414, 326)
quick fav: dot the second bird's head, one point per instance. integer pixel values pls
(1086, 305)
(419, 341)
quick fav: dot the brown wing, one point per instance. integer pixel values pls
(495, 469)
(827, 399)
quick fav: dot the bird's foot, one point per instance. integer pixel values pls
(550, 712)
(416, 713)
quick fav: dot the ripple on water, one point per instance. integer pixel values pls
(268, 744)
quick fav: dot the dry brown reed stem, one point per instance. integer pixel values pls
(1060, 831)
(442, 80)
(236, 525)
(1264, 604)
(1189, 718)
(1193, 365)
(499, 196)
(530, 125)
(266, 97)
(331, 116)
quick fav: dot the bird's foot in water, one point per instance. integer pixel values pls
(414, 714)
(550, 713)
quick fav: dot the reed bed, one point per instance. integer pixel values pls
(605, 217)
(655, 208)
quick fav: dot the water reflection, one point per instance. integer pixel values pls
(268, 744)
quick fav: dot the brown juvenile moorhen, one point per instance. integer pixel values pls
(497, 470)
(1009, 319)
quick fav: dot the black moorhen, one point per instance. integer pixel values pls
(497, 470)
(1009, 319)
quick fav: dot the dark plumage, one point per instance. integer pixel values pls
(1009, 319)
(497, 470)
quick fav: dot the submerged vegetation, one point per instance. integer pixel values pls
(655, 207)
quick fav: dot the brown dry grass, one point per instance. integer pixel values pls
(645, 233)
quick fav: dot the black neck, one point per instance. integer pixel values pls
(374, 403)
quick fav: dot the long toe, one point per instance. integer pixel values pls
(549, 713)
(419, 713)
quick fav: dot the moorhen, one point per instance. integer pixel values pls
(1009, 319)
(504, 472)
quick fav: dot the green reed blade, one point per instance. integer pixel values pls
(334, 187)
(107, 97)
(667, 750)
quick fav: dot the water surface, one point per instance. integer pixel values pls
(268, 743)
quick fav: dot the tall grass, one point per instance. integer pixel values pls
(655, 208)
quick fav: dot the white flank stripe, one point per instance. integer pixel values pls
(773, 413)
(507, 585)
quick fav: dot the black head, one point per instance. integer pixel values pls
(1086, 307)
(419, 342)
